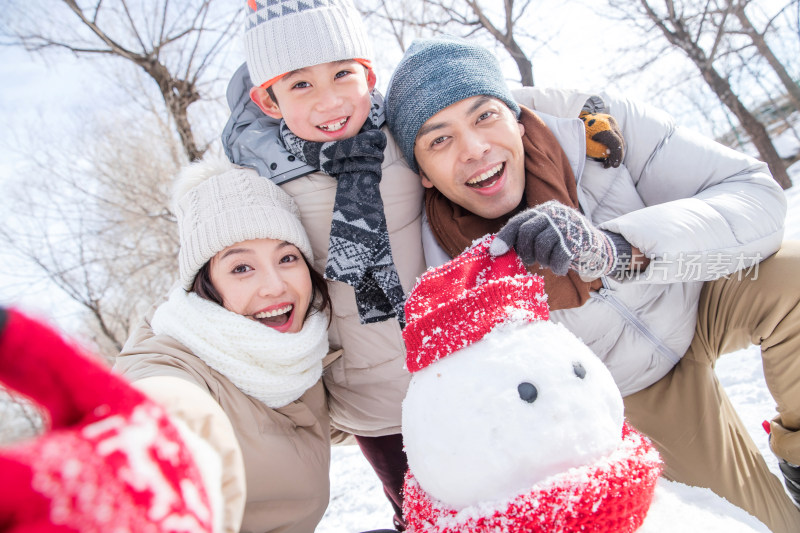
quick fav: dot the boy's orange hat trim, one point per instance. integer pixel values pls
(366, 62)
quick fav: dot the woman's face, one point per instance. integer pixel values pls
(265, 280)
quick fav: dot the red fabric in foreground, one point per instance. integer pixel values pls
(612, 494)
(111, 461)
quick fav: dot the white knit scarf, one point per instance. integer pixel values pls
(273, 367)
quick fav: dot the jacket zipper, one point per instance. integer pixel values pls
(607, 295)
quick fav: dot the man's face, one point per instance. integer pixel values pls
(472, 153)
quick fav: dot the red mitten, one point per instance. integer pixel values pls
(111, 459)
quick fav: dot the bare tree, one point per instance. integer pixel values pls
(706, 32)
(174, 42)
(758, 38)
(467, 18)
(96, 225)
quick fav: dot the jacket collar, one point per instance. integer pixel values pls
(252, 139)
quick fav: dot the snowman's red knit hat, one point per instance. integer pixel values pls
(458, 303)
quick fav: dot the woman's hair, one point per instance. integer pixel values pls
(320, 298)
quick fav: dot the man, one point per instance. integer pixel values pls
(653, 263)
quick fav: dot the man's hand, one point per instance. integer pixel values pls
(559, 238)
(604, 141)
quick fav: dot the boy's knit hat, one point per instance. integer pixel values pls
(434, 74)
(285, 35)
(218, 204)
(458, 303)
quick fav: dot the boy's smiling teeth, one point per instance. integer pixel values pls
(335, 125)
(493, 172)
(275, 312)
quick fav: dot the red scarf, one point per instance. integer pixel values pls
(612, 494)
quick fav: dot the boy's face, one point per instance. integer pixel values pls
(321, 103)
(472, 153)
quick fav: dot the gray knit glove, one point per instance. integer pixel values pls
(559, 238)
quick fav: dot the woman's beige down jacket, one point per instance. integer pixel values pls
(275, 462)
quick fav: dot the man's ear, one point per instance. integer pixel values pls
(261, 98)
(521, 129)
(428, 184)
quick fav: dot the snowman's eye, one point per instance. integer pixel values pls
(527, 391)
(579, 370)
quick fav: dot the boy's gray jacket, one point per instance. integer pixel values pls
(699, 209)
(367, 384)
(252, 139)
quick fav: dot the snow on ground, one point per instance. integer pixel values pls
(357, 500)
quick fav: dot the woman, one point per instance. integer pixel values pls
(237, 350)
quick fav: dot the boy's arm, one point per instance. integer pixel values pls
(709, 210)
(706, 207)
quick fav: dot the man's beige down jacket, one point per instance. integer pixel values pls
(699, 209)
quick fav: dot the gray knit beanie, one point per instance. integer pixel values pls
(218, 204)
(434, 74)
(285, 35)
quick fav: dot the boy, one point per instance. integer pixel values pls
(322, 91)
(310, 68)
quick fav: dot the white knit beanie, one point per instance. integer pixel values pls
(285, 35)
(219, 204)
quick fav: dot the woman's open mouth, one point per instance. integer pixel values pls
(276, 318)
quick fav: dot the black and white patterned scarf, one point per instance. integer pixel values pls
(359, 252)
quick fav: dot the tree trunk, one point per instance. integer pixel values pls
(178, 96)
(681, 38)
(524, 64)
(506, 38)
(792, 88)
(178, 107)
(755, 129)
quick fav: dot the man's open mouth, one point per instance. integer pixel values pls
(488, 178)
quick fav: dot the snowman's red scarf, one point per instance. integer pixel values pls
(612, 494)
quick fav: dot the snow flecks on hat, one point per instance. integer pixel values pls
(458, 303)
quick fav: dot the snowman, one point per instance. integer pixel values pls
(512, 424)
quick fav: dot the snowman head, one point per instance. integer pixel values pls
(501, 398)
